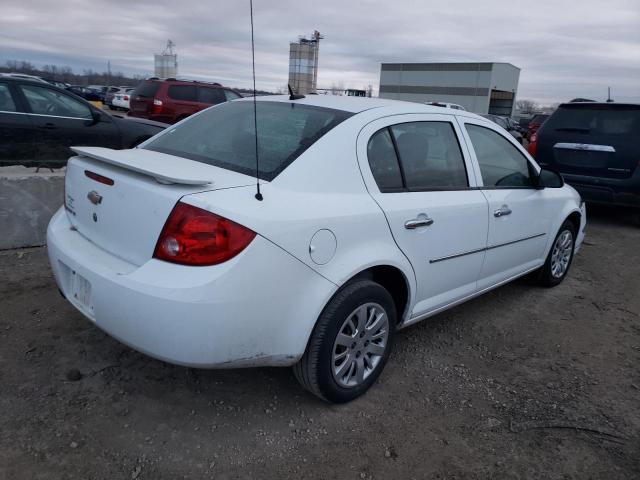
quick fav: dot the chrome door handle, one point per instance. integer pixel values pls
(421, 221)
(502, 211)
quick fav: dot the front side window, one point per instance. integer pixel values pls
(430, 156)
(6, 101)
(46, 101)
(185, 93)
(224, 135)
(384, 162)
(501, 163)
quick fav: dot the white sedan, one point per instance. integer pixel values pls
(372, 215)
(121, 99)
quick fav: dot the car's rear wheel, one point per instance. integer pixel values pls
(350, 344)
(560, 256)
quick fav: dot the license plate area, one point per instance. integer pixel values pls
(77, 290)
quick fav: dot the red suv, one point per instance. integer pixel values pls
(171, 100)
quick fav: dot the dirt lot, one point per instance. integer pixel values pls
(523, 382)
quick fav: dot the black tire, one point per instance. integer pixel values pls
(314, 370)
(546, 277)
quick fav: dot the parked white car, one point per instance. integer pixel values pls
(375, 214)
(121, 99)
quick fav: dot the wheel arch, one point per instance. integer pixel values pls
(575, 218)
(394, 280)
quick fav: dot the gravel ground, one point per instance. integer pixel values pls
(523, 382)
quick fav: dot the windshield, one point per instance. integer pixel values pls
(598, 119)
(224, 135)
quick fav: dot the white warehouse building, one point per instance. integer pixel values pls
(487, 87)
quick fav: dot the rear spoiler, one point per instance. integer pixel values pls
(165, 169)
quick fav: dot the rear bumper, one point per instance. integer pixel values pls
(623, 192)
(256, 309)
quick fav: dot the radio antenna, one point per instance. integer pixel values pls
(255, 105)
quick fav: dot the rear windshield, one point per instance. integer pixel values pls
(146, 89)
(599, 119)
(224, 136)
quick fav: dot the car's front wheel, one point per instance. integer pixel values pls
(560, 256)
(350, 344)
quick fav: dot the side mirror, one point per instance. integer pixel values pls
(550, 179)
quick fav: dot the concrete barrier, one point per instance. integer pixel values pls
(28, 199)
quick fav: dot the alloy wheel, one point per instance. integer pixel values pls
(360, 345)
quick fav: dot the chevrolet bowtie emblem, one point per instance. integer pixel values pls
(94, 197)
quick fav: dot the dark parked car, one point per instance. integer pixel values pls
(595, 147)
(507, 123)
(52, 119)
(172, 100)
(84, 92)
(535, 123)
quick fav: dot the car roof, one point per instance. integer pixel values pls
(591, 104)
(362, 104)
(33, 81)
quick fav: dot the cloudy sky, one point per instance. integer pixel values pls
(565, 48)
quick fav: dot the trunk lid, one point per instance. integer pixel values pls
(126, 217)
(141, 99)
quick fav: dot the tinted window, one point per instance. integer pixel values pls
(430, 155)
(6, 101)
(608, 120)
(183, 92)
(384, 162)
(212, 96)
(146, 89)
(501, 163)
(46, 101)
(224, 135)
(231, 95)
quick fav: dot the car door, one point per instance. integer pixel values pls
(62, 121)
(421, 177)
(519, 213)
(17, 136)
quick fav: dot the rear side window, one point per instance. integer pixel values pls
(212, 96)
(384, 162)
(6, 101)
(596, 119)
(501, 163)
(185, 93)
(146, 89)
(430, 156)
(231, 95)
(224, 135)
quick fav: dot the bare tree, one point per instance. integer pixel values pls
(526, 106)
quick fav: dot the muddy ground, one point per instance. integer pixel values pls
(523, 382)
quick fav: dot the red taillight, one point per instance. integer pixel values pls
(533, 145)
(98, 178)
(157, 106)
(126, 97)
(193, 236)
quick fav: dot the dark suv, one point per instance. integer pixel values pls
(595, 147)
(171, 100)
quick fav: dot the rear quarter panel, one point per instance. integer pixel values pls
(322, 189)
